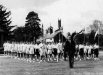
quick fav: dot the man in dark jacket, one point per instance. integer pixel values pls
(70, 48)
(66, 48)
(72, 51)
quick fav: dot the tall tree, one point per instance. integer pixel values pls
(79, 39)
(5, 21)
(33, 29)
(19, 34)
(91, 37)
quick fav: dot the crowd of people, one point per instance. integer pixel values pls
(87, 51)
(30, 51)
(48, 51)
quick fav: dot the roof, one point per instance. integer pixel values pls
(49, 36)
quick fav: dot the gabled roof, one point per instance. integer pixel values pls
(49, 36)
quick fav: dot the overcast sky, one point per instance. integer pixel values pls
(75, 14)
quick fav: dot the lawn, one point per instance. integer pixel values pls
(11, 66)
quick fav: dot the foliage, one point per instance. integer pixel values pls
(79, 39)
(32, 26)
(91, 37)
(5, 21)
(19, 34)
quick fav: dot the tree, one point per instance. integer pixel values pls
(91, 37)
(99, 32)
(32, 26)
(79, 39)
(97, 24)
(19, 34)
(5, 21)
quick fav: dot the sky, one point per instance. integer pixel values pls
(74, 14)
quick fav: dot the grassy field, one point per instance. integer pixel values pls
(11, 66)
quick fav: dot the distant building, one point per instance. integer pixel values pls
(59, 23)
(59, 37)
(49, 30)
(56, 36)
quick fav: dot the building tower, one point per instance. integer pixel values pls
(59, 23)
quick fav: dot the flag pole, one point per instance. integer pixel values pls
(84, 36)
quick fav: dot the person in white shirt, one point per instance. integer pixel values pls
(22, 53)
(89, 51)
(42, 51)
(24, 50)
(16, 48)
(59, 51)
(31, 51)
(10, 49)
(13, 49)
(5, 48)
(86, 48)
(44, 48)
(77, 52)
(27, 51)
(20, 49)
(37, 52)
(49, 52)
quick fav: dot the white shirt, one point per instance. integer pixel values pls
(81, 46)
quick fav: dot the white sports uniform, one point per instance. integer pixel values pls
(31, 49)
(49, 49)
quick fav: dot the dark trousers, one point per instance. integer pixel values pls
(71, 60)
(81, 53)
(96, 52)
(65, 55)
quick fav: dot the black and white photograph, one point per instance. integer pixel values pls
(51, 37)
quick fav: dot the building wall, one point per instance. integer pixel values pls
(59, 38)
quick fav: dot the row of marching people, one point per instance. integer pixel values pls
(87, 52)
(34, 52)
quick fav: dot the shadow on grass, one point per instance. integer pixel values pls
(83, 67)
(51, 61)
